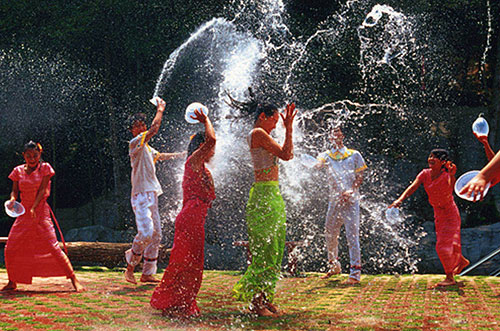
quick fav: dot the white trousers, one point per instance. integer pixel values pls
(147, 241)
(347, 214)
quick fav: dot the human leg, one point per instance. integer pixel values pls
(448, 244)
(333, 223)
(141, 204)
(181, 281)
(151, 251)
(266, 218)
(352, 235)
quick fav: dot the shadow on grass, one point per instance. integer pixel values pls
(12, 294)
(136, 289)
(458, 288)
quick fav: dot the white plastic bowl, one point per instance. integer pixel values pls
(190, 112)
(307, 160)
(392, 215)
(14, 208)
(154, 101)
(463, 180)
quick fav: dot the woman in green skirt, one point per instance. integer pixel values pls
(265, 210)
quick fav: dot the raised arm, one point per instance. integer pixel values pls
(264, 140)
(487, 148)
(206, 150)
(155, 126)
(407, 193)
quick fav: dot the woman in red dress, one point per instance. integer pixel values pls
(176, 293)
(32, 249)
(438, 181)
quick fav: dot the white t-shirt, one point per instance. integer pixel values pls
(142, 160)
(343, 165)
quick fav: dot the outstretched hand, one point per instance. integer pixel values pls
(475, 187)
(290, 113)
(396, 204)
(199, 116)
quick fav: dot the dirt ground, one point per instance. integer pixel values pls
(380, 302)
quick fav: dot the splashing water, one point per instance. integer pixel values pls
(256, 48)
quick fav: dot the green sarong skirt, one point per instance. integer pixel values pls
(266, 223)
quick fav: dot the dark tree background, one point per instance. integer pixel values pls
(87, 65)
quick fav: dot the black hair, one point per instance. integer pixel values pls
(441, 154)
(32, 145)
(195, 142)
(253, 106)
(134, 118)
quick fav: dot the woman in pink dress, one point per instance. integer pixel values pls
(177, 291)
(438, 181)
(32, 249)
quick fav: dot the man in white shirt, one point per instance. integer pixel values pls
(144, 196)
(346, 168)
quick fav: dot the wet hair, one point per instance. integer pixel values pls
(134, 118)
(195, 143)
(32, 145)
(253, 107)
(441, 154)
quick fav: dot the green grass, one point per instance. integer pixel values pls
(384, 302)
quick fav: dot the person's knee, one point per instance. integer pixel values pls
(156, 237)
(145, 234)
(444, 250)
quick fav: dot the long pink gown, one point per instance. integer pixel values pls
(32, 249)
(181, 281)
(446, 219)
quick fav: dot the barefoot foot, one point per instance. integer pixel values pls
(447, 282)
(461, 265)
(335, 269)
(273, 309)
(351, 281)
(10, 286)
(129, 274)
(149, 279)
(77, 285)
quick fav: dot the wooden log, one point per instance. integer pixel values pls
(104, 253)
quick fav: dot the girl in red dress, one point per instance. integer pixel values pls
(32, 249)
(438, 181)
(176, 293)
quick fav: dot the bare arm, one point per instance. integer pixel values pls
(262, 139)
(489, 174)
(155, 126)
(407, 193)
(15, 191)
(201, 155)
(172, 156)
(39, 194)
(487, 148)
